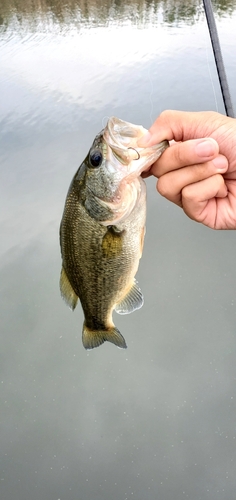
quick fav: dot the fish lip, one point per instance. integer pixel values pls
(132, 132)
(131, 155)
(125, 153)
(153, 152)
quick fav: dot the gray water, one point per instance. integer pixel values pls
(157, 421)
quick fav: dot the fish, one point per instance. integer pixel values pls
(102, 230)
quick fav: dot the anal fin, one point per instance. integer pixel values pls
(132, 301)
(67, 291)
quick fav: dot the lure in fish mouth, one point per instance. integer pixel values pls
(102, 230)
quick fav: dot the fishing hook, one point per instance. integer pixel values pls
(135, 152)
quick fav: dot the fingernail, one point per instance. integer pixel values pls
(220, 163)
(144, 140)
(205, 149)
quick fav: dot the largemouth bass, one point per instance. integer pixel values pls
(102, 230)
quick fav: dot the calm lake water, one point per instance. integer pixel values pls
(157, 421)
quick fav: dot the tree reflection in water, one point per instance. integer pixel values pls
(25, 14)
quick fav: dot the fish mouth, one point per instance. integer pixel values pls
(125, 161)
(122, 138)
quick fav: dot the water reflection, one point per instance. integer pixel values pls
(29, 14)
(158, 420)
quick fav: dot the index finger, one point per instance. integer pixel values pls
(181, 126)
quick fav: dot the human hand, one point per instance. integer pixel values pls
(198, 170)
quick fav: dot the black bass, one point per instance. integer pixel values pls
(102, 230)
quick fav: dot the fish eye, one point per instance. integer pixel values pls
(95, 158)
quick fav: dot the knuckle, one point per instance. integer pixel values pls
(188, 193)
(164, 114)
(167, 117)
(163, 187)
(179, 154)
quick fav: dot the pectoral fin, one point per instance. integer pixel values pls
(67, 291)
(132, 301)
(94, 338)
(112, 243)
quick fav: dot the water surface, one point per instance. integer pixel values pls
(157, 420)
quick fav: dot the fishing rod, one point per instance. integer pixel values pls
(218, 58)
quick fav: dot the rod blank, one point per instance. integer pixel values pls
(218, 58)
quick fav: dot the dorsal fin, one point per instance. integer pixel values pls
(132, 301)
(67, 291)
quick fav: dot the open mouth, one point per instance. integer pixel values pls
(122, 138)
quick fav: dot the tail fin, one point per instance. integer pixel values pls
(94, 338)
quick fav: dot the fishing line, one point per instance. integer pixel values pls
(150, 95)
(218, 58)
